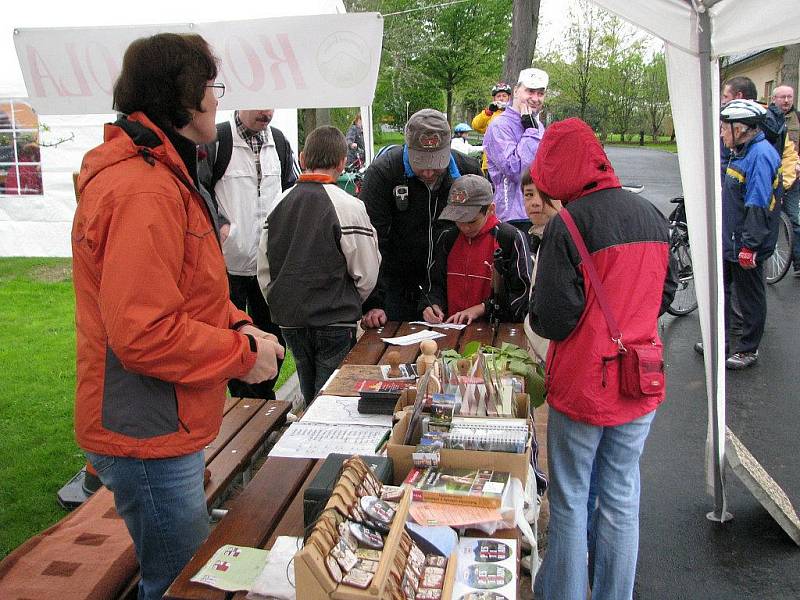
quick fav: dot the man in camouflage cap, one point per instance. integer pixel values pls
(405, 190)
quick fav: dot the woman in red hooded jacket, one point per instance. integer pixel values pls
(593, 418)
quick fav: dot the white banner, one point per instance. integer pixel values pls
(289, 62)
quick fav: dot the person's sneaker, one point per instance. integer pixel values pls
(741, 360)
(698, 347)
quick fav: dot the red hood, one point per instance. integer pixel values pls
(570, 162)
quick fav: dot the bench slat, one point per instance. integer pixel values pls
(252, 517)
(237, 453)
(233, 421)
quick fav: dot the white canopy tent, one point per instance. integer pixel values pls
(697, 33)
(304, 54)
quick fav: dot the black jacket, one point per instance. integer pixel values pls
(406, 229)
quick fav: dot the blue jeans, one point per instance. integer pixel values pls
(163, 504)
(572, 447)
(318, 352)
(791, 206)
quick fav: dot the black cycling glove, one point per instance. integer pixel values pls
(529, 121)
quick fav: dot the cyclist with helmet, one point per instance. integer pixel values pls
(752, 192)
(501, 96)
(460, 143)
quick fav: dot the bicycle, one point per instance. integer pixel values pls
(777, 265)
(685, 300)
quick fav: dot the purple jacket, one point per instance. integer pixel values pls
(510, 149)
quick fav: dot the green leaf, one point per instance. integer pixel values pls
(471, 348)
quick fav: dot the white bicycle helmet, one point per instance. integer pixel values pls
(748, 112)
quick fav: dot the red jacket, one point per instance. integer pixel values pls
(469, 268)
(627, 238)
(152, 312)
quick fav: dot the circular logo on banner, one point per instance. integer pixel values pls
(343, 59)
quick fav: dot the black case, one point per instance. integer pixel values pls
(319, 490)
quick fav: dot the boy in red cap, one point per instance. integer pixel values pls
(482, 267)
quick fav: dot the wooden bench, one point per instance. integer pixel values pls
(89, 554)
(271, 504)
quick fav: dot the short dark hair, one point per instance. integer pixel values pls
(744, 86)
(164, 76)
(325, 148)
(526, 177)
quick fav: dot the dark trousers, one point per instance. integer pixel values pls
(247, 296)
(750, 289)
(318, 352)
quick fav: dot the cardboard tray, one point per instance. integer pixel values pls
(515, 464)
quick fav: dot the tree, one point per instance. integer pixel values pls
(578, 74)
(655, 93)
(624, 72)
(522, 43)
(460, 42)
(789, 66)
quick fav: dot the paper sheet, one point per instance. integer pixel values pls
(232, 568)
(413, 338)
(277, 578)
(341, 409)
(440, 325)
(317, 440)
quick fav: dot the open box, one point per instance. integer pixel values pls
(515, 464)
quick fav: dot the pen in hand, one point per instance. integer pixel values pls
(437, 312)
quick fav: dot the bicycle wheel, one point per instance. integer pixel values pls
(777, 265)
(685, 300)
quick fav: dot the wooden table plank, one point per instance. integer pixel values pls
(234, 420)
(370, 347)
(233, 458)
(408, 354)
(252, 517)
(512, 333)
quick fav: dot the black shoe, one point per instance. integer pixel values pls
(741, 360)
(698, 347)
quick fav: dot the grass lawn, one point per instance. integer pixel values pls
(37, 379)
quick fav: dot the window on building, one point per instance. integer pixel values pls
(768, 87)
(20, 160)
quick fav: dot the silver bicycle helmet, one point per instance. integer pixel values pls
(748, 112)
(501, 86)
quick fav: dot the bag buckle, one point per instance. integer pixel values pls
(620, 347)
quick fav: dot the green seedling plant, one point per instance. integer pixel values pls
(510, 358)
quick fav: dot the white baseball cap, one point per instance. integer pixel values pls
(533, 79)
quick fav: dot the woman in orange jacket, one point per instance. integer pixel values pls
(157, 336)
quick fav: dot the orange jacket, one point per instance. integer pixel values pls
(153, 318)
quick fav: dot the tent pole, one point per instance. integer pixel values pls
(711, 160)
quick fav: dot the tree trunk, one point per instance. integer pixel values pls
(522, 43)
(323, 116)
(790, 65)
(450, 106)
(308, 124)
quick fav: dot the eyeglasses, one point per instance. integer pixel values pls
(219, 89)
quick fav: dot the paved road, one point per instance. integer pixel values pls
(682, 554)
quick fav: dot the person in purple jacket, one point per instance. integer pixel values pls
(510, 145)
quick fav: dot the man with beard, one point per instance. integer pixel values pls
(245, 171)
(783, 98)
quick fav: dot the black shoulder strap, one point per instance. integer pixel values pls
(224, 150)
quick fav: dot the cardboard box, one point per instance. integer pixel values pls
(515, 464)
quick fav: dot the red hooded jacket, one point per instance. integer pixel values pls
(627, 238)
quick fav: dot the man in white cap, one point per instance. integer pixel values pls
(405, 190)
(511, 142)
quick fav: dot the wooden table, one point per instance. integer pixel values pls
(271, 504)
